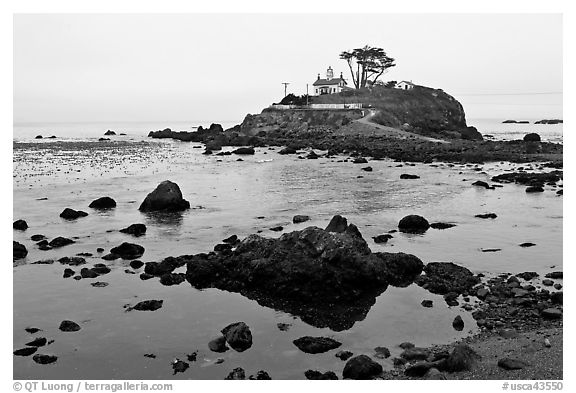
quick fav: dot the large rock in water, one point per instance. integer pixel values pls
(413, 224)
(167, 196)
(329, 278)
(128, 251)
(19, 250)
(103, 203)
(238, 336)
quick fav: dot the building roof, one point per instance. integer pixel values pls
(326, 82)
(408, 83)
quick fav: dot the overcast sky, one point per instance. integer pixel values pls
(219, 67)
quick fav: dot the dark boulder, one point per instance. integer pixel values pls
(37, 342)
(25, 351)
(344, 355)
(44, 359)
(555, 275)
(441, 225)
(72, 261)
(88, 273)
(413, 224)
(19, 250)
(103, 203)
(382, 352)
(236, 374)
(527, 244)
(486, 215)
(68, 273)
(461, 358)
(136, 264)
(170, 279)
(382, 238)
(166, 197)
(360, 160)
(37, 238)
(148, 305)
(288, 150)
(458, 323)
(238, 336)
(69, 326)
(314, 375)
(511, 364)
(179, 366)
(415, 353)
(532, 137)
(135, 230)
(361, 367)
(531, 189)
(299, 219)
(337, 224)
(231, 240)
(314, 345)
(445, 277)
(408, 176)
(71, 214)
(481, 183)
(128, 251)
(303, 271)
(109, 133)
(244, 151)
(260, 376)
(20, 225)
(427, 303)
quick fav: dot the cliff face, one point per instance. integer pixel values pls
(297, 121)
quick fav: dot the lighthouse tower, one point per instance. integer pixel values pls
(329, 73)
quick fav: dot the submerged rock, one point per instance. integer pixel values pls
(382, 238)
(261, 376)
(103, 203)
(179, 366)
(314, 345)
(458, 323)
(361, 367)
(441, 225)
(408, 176)
(244, 151)
(218, 344)
(344, 355)
(166, 197)
(237, 374)
(297, 219)
(486, 215)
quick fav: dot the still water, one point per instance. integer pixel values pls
(230, 197)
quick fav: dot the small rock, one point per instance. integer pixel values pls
(261, 376)
(44, 359)
(458, 323)
(136, 264)
(315, 345)
(361, 367)
(344, 355)
(382, 238)
(103, 203)
(69, 326)
(19, 250)
(551, 313)
(511, 364)
(99, 284)
(427, 303)
(20, 225)
(314, 375)
(71, 214)
(32, 330)
(486, 215)
(382, 352)
(148, 305)
(283, 326)
(237, 374)
(25, 351)
(135, 230)
(277, 229)
(527, 244)
(38, 342)
(415, 353)
(441, 225)
(408, 176)
(413, 224)
(128, 251)
(60, 242)
(238, 336)
(179, 366)
(300, 218)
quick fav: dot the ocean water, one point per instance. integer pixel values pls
(229, 197)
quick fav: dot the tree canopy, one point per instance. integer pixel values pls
(367, 64)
